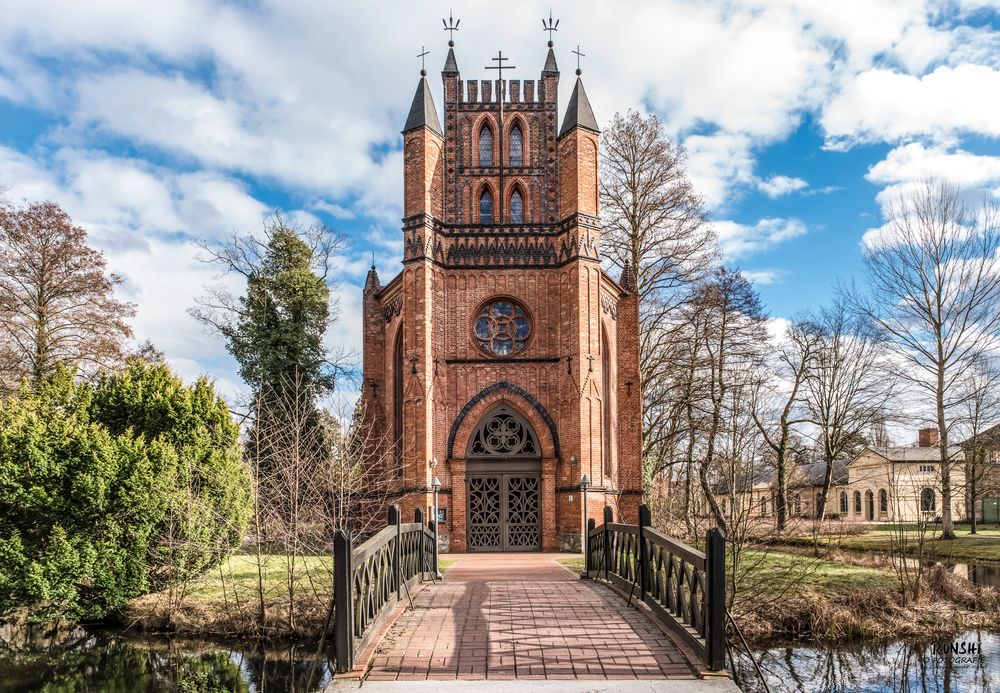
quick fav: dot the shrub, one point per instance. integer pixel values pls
(110, 490)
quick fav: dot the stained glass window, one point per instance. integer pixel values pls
(486, 208)
(502, 327)
(516, 208)
(485, 146)
(516, 147)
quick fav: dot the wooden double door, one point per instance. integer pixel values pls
(504, 511)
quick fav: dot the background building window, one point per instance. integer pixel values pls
(843, 502)
(927, 500)
(485, 146)
(516, 208)
(486, 207)
(516, 147)
(857, 502)
(883, 501)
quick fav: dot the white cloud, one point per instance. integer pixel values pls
(742, 240)
(881, 104)
(776, 186)
(717, 163)
(762, 276)
(916, 161)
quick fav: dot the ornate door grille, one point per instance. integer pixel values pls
(504, 512)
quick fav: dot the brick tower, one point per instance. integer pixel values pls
(502, 358)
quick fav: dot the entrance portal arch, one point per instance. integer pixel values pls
(504, 477)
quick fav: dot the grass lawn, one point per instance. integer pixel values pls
(983, 546)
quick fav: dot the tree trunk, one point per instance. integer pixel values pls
(947, 527)
(781, 502)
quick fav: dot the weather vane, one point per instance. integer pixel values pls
(550, 25)
(423, 55)
(578, 55)
(451, 26)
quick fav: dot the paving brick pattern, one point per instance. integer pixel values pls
(523, 616)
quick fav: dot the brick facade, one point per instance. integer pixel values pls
(428, 383)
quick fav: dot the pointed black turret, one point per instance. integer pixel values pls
(422, 110)
(371, 282)
(450, 64)
(550, 62)
(578, 112)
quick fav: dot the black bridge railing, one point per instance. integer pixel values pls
(684, 587)
(369, 580)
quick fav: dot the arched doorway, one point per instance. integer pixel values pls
(503, 473)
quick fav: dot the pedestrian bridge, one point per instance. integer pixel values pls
(644, 615)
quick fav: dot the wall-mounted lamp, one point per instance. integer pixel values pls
(572, 460)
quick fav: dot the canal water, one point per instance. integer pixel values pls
(85, 660)
(964, 663)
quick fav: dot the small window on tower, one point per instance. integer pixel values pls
(516, 208)
(486, 208)
(516, 147)
(485, 146)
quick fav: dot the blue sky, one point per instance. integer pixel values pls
(156, 124)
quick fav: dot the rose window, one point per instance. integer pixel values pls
(502, 327)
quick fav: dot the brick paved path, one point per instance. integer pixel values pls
(505, 616)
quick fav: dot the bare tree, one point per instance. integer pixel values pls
(57, 303)
(979, 410)
(776, 412)
(848, 388)
(655, 224)
(934, 291)
(731, 340)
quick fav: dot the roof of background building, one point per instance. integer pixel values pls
(917, 454)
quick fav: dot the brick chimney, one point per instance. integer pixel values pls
(927, 437)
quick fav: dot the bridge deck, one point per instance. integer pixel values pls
(524, 616)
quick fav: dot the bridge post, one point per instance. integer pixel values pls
(609, 517)
(343, 598)
(395, 520)
(586, 548)
(715, 569)
(433, 526)
(644, 521)
(418, 518)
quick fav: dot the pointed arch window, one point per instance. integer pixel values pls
(516, 146)
(606, 401)
(486, 207)
(397, 401)
(516, 208)
(485, 146)
(883, 501)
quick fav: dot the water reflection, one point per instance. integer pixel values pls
(106, 661)
(961, 663)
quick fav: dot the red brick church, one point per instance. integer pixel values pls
(502, 359)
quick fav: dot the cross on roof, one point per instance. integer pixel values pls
(423, 56)
(500, 67)
(451, 26)
(578, 56)
(550, 26)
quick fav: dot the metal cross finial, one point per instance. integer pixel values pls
(500, 67)
(423, 56)
(550, 26)
(451, 26)
(578, 56)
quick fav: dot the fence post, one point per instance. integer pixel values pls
(395, 521)
(644, 521)
(586, 548)
(418, 517)
(343, 598)
(433, 526)
(609, 517)
(715, 568)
